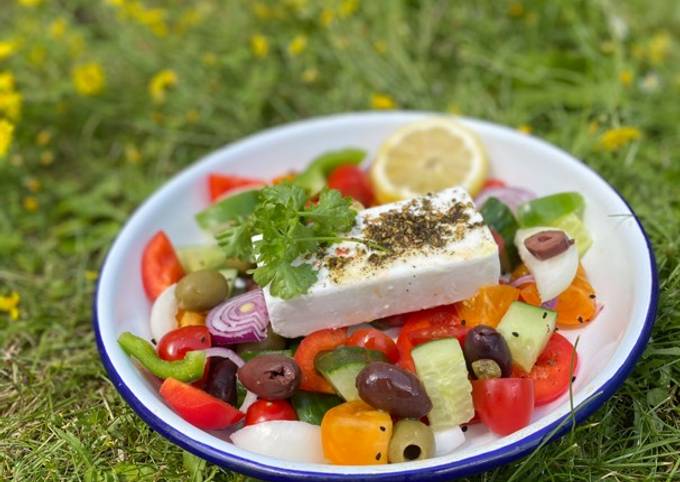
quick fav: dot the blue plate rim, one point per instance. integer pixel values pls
(470, 466)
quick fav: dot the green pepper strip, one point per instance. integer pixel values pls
(313, 179)
(189, 369)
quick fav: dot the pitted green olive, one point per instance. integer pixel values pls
(201, 290)
(411, 440)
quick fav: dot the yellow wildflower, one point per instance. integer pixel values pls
(380, 46)
(57, 28)
(31, 204)
(44, 137)
(382, 101)
(29, 3)
(6, 82)
(326, 17)
(47, 158)
(6, 133)
(524, 128)
(10, 304)
(626, 77)
(348, 7)
(614, 139)
(259, 45)
(310, 75)
(262, 11)
(132, 154)
(152, 18)
(160, 83)
(10, 104)
(7, 48)
(91, 275)
(190, 17)
(659, 47)
(88, 79)
(516, 9)
(297, 45)
(593, 126)
(33, 184)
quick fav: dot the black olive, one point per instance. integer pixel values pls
(483, 342)
(394, 390)
(222, 380)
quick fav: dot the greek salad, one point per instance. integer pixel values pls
(368, 315)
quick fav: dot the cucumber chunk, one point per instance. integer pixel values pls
(574, 227)
(342, 365)
(440, 365)
(311, 407)
(526, 329)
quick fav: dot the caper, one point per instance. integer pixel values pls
(411, 440)
(273, 342)
(201, 290)
(486, 369)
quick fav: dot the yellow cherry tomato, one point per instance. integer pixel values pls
(354, 433)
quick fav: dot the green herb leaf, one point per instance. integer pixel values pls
(332, 214)
(236, 240)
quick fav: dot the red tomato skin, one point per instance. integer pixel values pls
(352, 181)
(552, 371)
(492, 182)
(425, 322)
(306, 352)
(505, 405)
(221, 184)
(160, 265)
(176, 343)
(267, 410)
(373, 339)
(198, 407)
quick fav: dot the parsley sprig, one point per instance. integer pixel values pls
(289, 227)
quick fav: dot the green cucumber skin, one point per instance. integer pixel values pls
(526, 329)
(342, 365)
(311, 407)
(250, 354)
(500, 217)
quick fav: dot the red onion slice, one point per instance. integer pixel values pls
(221, 352)
(510, 196)
(241, 319)
(528, 278)
(550, 304)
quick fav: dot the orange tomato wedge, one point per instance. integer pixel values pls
(575, 306)
(487, 306)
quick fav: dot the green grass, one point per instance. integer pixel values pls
(564, 68)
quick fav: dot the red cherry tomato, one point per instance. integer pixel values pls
(198, 407)
(373, 339)
(306, 352)
(552, 371)
(505, 405)
(267, 410)
(352, 181)
(160, 265)
(220, 184)
(176, 343)
(491, 182)
(427, 325)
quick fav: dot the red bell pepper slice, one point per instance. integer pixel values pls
(160, 265)
(309, 348)
(221, 184)
(427, 325)
(198, 407)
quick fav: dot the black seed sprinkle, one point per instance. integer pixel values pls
(462, 322)
(592, 297)
(382, 429)
(378, 456)
(557, 329)
(515, 334)
(464, 428)
(545, 315)
(153, 340)
(580, 319)
(573, 379)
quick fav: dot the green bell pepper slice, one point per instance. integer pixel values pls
(189, 369)
(499, 216)
(313, 178)
(231, 208)
(544, 210)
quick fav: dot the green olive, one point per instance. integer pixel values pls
(273, 342)
(411, 440)
(201, 290)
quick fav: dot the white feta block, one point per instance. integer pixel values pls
(441, 252)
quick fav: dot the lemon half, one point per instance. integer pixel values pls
(428, 156)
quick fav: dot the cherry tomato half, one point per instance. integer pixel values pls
(373, 339)
(160, 265)
(267, 410)
(176, 343)
(352, 181)
(220, 184)
(426, 325)
(552, 371)
(505, 405)
(306, 352)
(491, 182)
